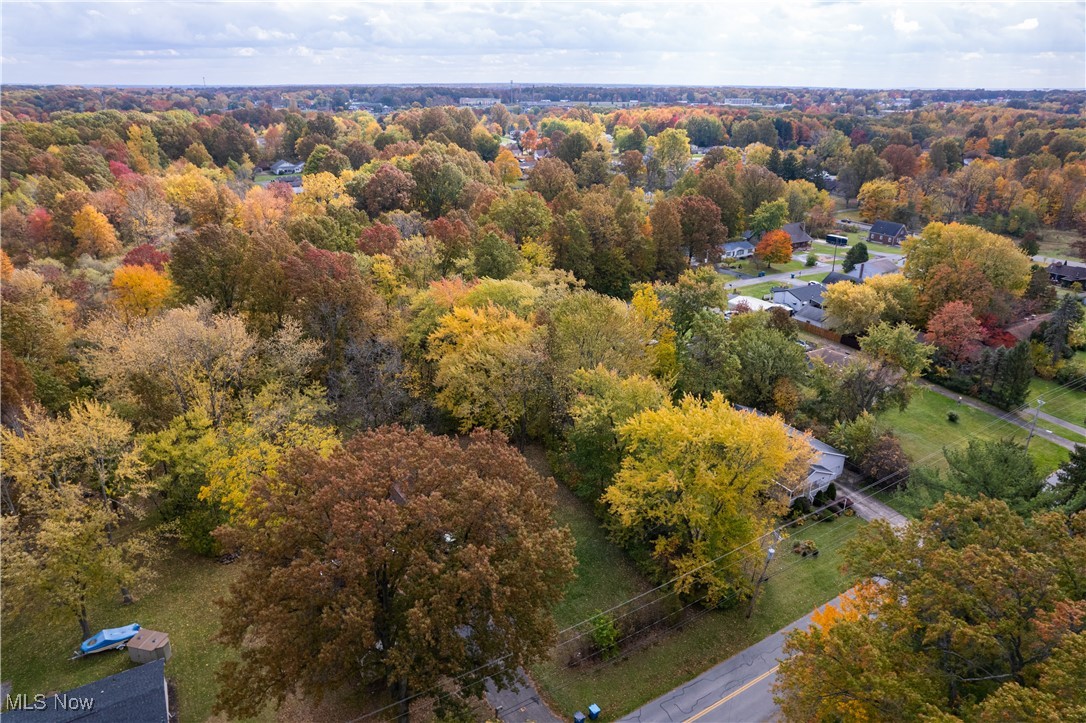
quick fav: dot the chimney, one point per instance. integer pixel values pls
(861, 276)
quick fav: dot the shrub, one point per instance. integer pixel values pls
(605, 634)
(952, 417)
(801, 506)
(812, 260)
(831, 491)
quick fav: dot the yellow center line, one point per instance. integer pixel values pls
(734, 693)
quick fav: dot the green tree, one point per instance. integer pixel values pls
(856, 255)
(769, 216)
(671, 149)
(1069, 491)
(523, 214)
(400, 560)
(1000, 469)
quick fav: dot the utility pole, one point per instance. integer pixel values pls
(833, 267)
(1033, 427)
(758, 583)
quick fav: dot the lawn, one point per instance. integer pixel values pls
(854, 237)
(35, 651)
(757, 290)
(924, 431)
(752, 268)
(1066, 403)
(606, 578)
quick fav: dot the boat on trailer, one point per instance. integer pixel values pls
(108, 639)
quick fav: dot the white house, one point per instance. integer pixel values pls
(797, 297)
(286, 168)
(738, 250)
(752, 304)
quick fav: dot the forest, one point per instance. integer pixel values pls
(334, 381)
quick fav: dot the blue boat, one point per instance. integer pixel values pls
(109, 639)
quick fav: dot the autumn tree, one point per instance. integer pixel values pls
(522, 214)
(506, 167)
(550, 177)
(139, 290)
(415, 558)
(768, 216)
(671, 149)
(878, 199)
(489, 369)
(387, 190)
(212, 263)
(955, 331)
(717, 465)
(975, 600)
(94, 233)
(775, 247)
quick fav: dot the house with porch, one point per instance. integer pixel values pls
(1065, 274)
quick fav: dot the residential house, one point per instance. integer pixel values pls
(825, 466)
(832, 357)
(834, 277)
(798, 233)
(286, 168)
(136, 695)
(797, 297)
(752, 304)
(887, 232)
(737, 250)
(875, 267)
(813, 315)
(1065, 274)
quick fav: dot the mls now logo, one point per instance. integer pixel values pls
(61, 701)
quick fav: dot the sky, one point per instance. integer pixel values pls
(758, 43)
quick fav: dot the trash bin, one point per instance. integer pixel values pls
(578, 717)
(593, 711)
(793, 276)
(761, 274)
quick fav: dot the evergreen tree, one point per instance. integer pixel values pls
(856, 255)
(1012, 376)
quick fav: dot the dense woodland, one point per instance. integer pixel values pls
(327, 378)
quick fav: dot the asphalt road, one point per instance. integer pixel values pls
(737, 690)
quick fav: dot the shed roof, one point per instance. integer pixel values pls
(148, 640)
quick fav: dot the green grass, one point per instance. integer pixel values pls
(816, 276)
(1062, 402)
(36, 648)
(752, 268)
(605, 579)
(924, 431)
(757, 290)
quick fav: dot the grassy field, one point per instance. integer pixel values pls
(924, 431)
(606, 578)
(1061, 402)
(35, 651)
(1057, 243)
(854, 237)
(752, 268)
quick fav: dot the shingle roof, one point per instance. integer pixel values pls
(734, 245)
(834, 276)
(1067, 271)
(798, 233)
(808, 293)
(811, 313)
(888, 228)
(137, 695)
(874, 267)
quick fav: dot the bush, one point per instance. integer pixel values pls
(801, 506)
(605, 634)
(1071, 373)
(831, 492)
(952, 417)
(812, 260)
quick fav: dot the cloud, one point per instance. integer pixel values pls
(902, 25)
(972, 56)
(635, 21)
(1027, 24)
(245, 52)
(854, 27)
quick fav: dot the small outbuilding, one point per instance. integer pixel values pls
(148, 645)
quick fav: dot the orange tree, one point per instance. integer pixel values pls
(774, 248)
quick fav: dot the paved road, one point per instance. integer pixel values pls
(521, 704)
(868, 508)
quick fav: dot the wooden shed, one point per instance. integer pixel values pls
(149, 645)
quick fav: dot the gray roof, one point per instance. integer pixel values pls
(798, 233)
(811, 293)
(888, 228)
(137, 695)
(1071, 272)
(811, 313)
(734, 245)
(874, 267)
(834, 276)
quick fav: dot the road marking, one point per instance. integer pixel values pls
(734, 693)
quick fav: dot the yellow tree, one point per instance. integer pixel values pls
(94, 233)
(697, 481)
(878, 198)
(506, 168)
(852, 308)
(656, 318)
(320, 192)
(951, 246)
(489, 368)
(139, 290)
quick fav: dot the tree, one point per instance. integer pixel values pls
(699, 219)
(438, 182)
(94, 233)
(671, 148)
(852, 307)
(1013, 377)
(705, 130)
(706, 357)
(769, 216)
(506, 167)
(775, 247)
(522, 214)
(388, 189)
(213, 263)
(603, 401)
(878, 199)
(1069, 491)
(955, 331)
(974, 601)
(494, 257)
(572, 147)
(1000, 469)
(489, 369)
(1067, 315)
(550, 177)
(902, 159)
(768, 358)
(139, 290)
(400, 560)
(862, 166)
(856, 254)
(695, 483)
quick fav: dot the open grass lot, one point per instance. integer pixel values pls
(1067, 403)
(35, 651)
(606, 578)
(853, 238)
(924, 431)
(1057, 243)
(752, 268)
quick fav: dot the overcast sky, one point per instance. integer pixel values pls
(760, 42)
